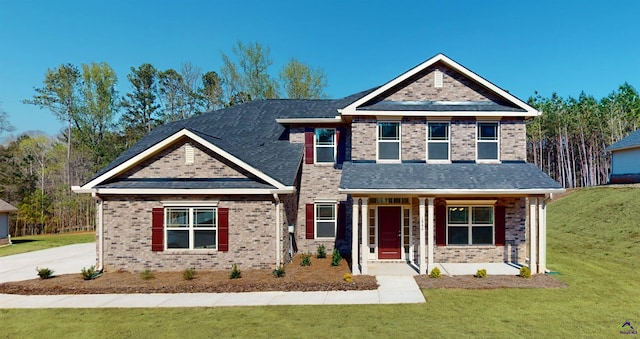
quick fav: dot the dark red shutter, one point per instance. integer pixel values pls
(341, 143)
(310, 229)
(500, 225)
(157, 229)
(441, 225)
(223, 229)
(309, 136)
(342, 220)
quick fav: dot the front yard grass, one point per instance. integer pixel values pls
(593, 241)
(41, 242)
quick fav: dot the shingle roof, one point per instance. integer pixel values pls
(630, 141)
(440, 106)
(420, 176)
(6, 207)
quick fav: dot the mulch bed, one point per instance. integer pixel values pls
(490, 282)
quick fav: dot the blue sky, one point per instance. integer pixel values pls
(545, 46)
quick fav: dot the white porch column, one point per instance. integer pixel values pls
(355, 270)
(364, 251)
(422, 265)
(430, 233)
(542, 242)
(533, 232)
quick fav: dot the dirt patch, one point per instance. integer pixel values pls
(320, 276)
(490, 282)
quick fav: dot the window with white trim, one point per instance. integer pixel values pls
(438, 141)
(325, 220)
(470, 225)
(191, 227)
(389, 141)
(487, 141)
(325, 143)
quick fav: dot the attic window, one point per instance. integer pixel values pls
(437, 79)
(188, 154)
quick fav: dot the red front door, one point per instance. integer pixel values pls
(389, 220)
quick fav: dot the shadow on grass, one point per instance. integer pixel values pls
(22, 241)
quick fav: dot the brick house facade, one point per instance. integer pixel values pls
(428, 168)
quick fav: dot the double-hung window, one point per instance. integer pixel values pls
(470, 225)
(325, 221)
(389, 141)
(438, 141)
(191, 227)
(325, 143)
(487, 141)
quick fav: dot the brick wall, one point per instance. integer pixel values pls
(513, 140)
(463, 139)
(363, 138)
(413, 135)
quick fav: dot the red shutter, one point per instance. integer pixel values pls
(441, 225)
(309, 136)
(157, 229)
(500, 225)
(223, 229)
(310, 230)
(342, 220)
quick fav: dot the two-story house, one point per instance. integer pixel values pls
(428, 168)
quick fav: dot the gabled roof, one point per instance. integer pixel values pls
(630, 141)
(522, 108)
(6, 207)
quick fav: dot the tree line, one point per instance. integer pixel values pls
(37, 171)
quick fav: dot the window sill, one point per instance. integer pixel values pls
(488, 161)
(325, 164)
(438, 161)
(190, 252)
(469, 246)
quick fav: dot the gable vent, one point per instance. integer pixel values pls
(188, 154)
(437, 79)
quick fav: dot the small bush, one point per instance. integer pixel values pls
(279, 272)
(321, 253)
(147, 274)
(88, 273)
(44, 273)
(481, 273)
(306, 259)
(336, 258)
(525, 272)
(435, 273)
(189, 274)
(235, 272)
(348, 277)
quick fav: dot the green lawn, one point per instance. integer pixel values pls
(593, 241)
(40, 242)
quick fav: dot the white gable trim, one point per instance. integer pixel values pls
(440, 114)
(333, 120)
(168, 141)
(185, 191)
(530, 111)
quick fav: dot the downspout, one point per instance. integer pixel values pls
(278, 230)
(100, 232)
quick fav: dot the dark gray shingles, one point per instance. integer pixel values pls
(631, 140)
(506, 176)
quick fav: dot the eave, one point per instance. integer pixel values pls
(453, 192)
(178, 191)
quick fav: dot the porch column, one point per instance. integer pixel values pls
(364, 251)
(533, 240)
(422, 265)
(542, 242)
(355, 270)
(430, 234)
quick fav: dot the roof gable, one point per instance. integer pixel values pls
(6, 207)
(630, 141)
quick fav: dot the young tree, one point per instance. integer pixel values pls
(190, 77)
(300, 81)
(211, 91)
(5, 125)
(140, 115)
(172, 95)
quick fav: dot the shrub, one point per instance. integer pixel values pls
(348, 277)
(279, 272)
(88, 273)
(235, 272)
(321, 253)
(189, 274)
(44, 273)
(481, 273)
(147, 274)
(525, 272)
(336, 258)
(306, 259)
(435, 273)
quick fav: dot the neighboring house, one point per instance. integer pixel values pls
(5, 209)
(625, 160)
(428, 168)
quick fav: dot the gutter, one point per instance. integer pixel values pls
(487, 192)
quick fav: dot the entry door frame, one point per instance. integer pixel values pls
(404, 208)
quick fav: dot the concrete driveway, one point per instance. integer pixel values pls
(62, 260)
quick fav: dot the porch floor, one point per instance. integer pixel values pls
(383, 268)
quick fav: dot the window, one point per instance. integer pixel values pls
(325, 220)
(325, 143)
(191, 227)
(470, 225)
(438, 141)
(389, 141)
(487, 144)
